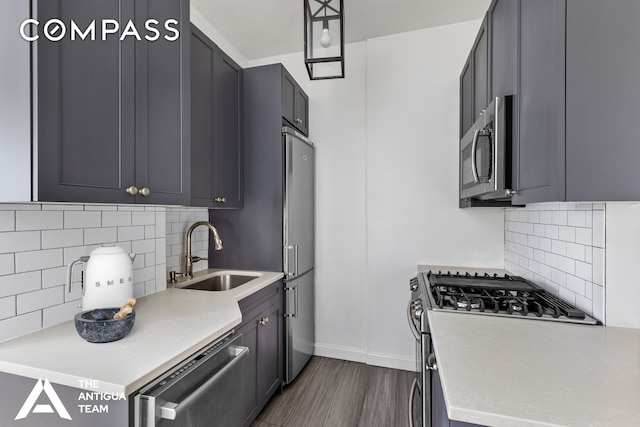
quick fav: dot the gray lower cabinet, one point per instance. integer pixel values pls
(439, 416)
(262, 329)
(217, 150)
(112, 116)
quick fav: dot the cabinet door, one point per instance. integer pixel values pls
(301, 109)
(288, 97)
(269, 353)
(250, 407)
(541, 100)
(85, 123)
(228, 148)
(162, 107)
(603, 100)
(480, 54)
(295, 103)
(202, 123)
(503, 47)
(466, 97)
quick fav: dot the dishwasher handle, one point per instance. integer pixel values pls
(170, 410)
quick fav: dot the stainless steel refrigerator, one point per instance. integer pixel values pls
(298, 253)
(275, 229)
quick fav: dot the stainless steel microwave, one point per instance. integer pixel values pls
(485, 154)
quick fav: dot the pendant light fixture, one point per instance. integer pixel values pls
(324, 39)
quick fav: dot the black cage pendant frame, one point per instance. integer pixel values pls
(327, 14)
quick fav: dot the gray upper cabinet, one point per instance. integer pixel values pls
(112, 115)
(216, 126)
(579, 101)
(295, 104)
(474, 80)
(572, 66)
(603, 100)
(541, 95)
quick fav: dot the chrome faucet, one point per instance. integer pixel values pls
(190, 259)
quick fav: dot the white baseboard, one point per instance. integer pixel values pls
(358, 355)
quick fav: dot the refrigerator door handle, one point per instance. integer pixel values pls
(295, 301)
(295, 261)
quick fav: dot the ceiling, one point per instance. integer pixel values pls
(264, 28)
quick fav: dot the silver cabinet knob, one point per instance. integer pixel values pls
(298, 120)
(220, 199)
(133, 190)
(264, 321)
(145, 191)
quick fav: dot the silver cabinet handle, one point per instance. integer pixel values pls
(474, 145)
(171, 410)
(432, 364)
(412, 325)
(133, 190)
(220, 199)
(145, 192)
(264, 321)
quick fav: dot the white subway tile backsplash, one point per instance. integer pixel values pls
(7, 264)
(7, 221)
(100, 236)
(15, 284)
(60, 313)
(37, 300)
(20, 325)
(143, 246)
(19, 241)
(38, 220)
(38, 241)
(598, 266)
(598, 229)
(38, 260)
(54, 277)
(82, 219)
(130, 233)
(561, 247)
(62, 238)
(7, 307)
(116, 219)
(143, 218)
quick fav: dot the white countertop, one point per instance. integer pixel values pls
(170, 326)
(520, 372)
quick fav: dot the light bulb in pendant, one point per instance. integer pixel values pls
(325, 38)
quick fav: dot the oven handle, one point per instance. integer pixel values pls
(412, 325)
(414, 386)
(170, 410)
(474, 167)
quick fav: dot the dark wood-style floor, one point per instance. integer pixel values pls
(338, 393)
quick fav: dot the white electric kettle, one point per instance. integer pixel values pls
(108, 281)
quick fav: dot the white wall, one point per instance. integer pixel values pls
(15, 104)
(387, 185)
(622, 258)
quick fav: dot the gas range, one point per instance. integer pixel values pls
(496, 295)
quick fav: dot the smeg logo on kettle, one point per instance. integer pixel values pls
(112, 282)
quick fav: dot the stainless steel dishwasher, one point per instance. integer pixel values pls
(204, 390)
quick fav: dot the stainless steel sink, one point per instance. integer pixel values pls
(222, 282)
